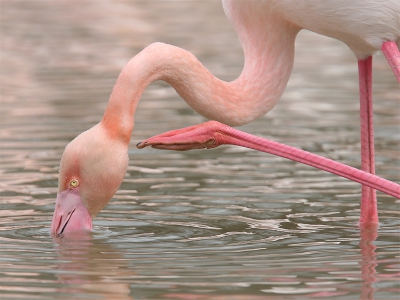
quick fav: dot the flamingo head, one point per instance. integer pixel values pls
(92, 169)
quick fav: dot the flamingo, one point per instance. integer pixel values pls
(93, 165)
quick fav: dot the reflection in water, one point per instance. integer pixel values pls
(90, 265)
(93, 270)
(369, 262)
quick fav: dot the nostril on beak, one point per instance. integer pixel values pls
(67, 220)
(57, 225)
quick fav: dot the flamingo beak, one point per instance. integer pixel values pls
(70, 214)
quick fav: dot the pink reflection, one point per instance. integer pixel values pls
(88, 269)
(369, 262)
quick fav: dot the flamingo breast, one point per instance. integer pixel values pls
(362, 24)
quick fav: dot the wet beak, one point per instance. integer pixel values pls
(70, 214)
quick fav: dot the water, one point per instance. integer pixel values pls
(228, 223)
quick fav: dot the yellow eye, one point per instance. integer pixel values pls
(73, 183)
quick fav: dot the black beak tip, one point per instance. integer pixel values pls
(141, 145)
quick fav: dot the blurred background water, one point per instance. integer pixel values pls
(228, 223)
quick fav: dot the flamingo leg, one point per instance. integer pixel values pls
(212, 134)
(392, 55)
(369, 211)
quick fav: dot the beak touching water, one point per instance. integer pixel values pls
(70, 214)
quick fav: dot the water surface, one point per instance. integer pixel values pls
(228, 223)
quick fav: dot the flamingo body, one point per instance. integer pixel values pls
(364, 25)
(94, 164)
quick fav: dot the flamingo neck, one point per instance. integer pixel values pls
(268, 52)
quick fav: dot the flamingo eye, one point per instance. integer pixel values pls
(74, 183)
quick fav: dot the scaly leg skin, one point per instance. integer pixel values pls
(368, 195)
(213, 134)
(392, 55)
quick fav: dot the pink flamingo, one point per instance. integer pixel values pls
(94, 164)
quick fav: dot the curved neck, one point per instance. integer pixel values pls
(268, 63)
